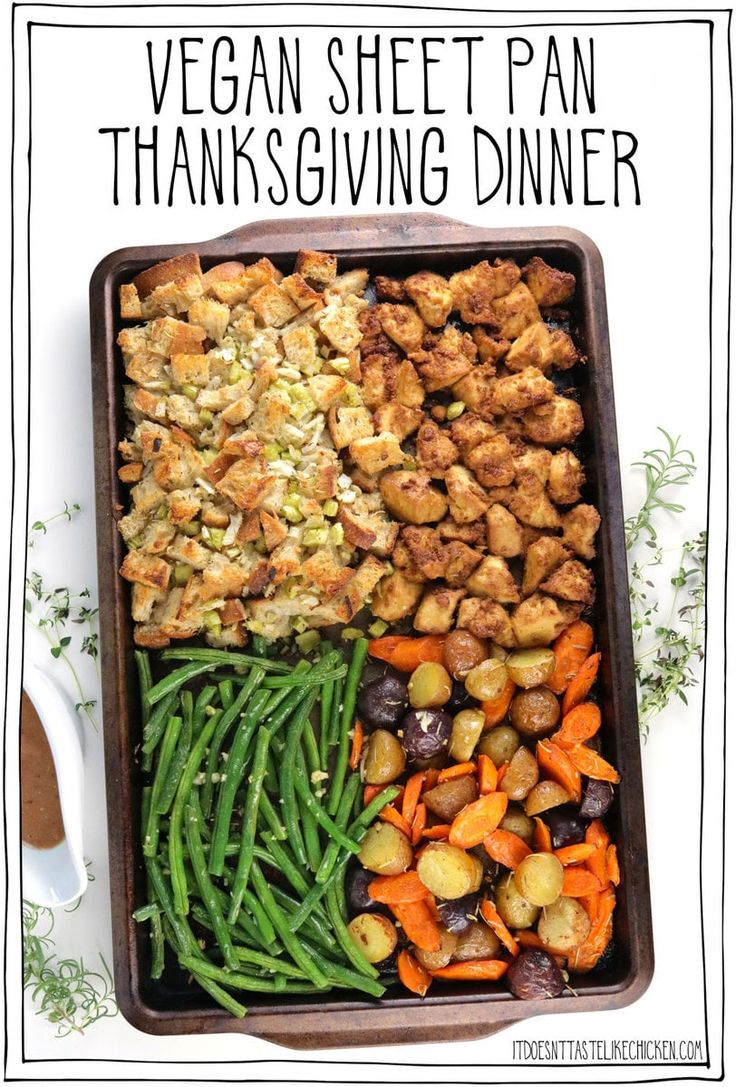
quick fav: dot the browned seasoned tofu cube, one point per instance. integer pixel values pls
(397, 419)
(493, 578)
(531, 505)
(432, 296)
(409, 387)
(566, 477)
(476, 390)
(410, 497)
(503, 532)
(539, 619)
(557, 422)
(514, 312)
(449, 360)
(347, 424)
(426, 551)
(468, 430)
(572, 581)
(388, 289)
(535, 459)
(579, 527)
(491, 348)
(437, 609)
(550, 286)
(486, 619)
(461, 560)
(521, 391)
(472, 533)
(492, 461)
(475, 289)
(403, 324)
(395, 597)
(317, 268)
(435, 451)
(379, 376)
(543, 556)
(374, 454)
(468, 500)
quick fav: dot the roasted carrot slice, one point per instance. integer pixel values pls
(475, 970)
(432, 907)
(612, 868)
(389, 814)
(411, 652)
(459, 770)
(577, 882)
(542, 836)
(383, 648)
(500, 773)
(357, 747)
(412, 974)
(597, 835)
(575, 854)
(556, 764)
(587, 761)
(430, 779)
(495, 709)
(406, 887)
(589, 952)
(370, 792)
(418, 923)
(412, 792)
(418, 824)
(526, 937)
(505, 847)
(493, 918)
(437, 832)
(487, 775)
(581, 682)
(571, 648)
(580, 724)
(590, 905)
(477, 820)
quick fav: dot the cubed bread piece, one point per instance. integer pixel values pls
(351, 283)
(557, 422)
(326, 389)
(221, 273)
(486, 619)
(237, 412)
(318, 269)
(409, 387)
(550, 286)
(460, 563)
(469, 430)
(187, 550)
(468, 500)
(340, 326)
(130, 303)
(472, 533)
(388, 289)
(539, 619)
(354, 595)
(435, 451)
(299, 291)
(374, 454)
(531, 505)
(432, 296)
(475, 289)
(437, 609)
(503, 532)
(517, 392)
(397, 419)
(146, 569)
(449, 360)
(274, 529)
(211, 315)
(328, 576)
(130, 473)
(245, 483)
(493, 578)
(566, 477)
(426, 550)
(190, 369)
(572, 581)
(160, 275)
(579, 527)
(300, 345)
(347, 424)
(491, 348)
(543, 556)
(512, 313)
(492, 461)
(367, 526)
(273, 305)
(395, 597)
(403, 324)
(475, 390)
(410, 497)
(184, 505)
(143, 599)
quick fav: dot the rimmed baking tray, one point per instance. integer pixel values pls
(393, 245)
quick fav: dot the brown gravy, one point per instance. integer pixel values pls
(41, 821)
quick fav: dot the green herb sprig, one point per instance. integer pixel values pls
(65, 991)
(666, 652)
(70, 508)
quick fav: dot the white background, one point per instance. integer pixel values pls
(653, 80)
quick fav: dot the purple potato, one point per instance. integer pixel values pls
(566, 825)
(459, 699)
(458, 914)
(426, 734)
(383, 702)
(534, 975)
(356, 891)
(597, 799)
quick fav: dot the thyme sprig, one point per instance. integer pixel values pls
(65, 991)
(70, 508)
(666, 651)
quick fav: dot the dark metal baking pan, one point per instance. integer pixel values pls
(394, 245)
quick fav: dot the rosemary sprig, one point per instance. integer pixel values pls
(665, 651)
(65, 991)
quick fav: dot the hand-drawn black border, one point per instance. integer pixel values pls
(307, 3)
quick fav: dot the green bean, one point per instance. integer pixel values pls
(229, 716)
(268, 962)
(166, 756)
(302, 787)
(250, 816)
(357, 663)
(145, 913)
(224, 656)
(271, 781)
(154, 728)
(286, 778)
(204, 700)
(311, 749)
(171, 781)
(210, 986)
(235, 768)
(310, 828)
(283, 927)
(173, 681)
(157, 947)
(225, 688)
(281, 860)
(236, 979)
(145, 682)
(175, 837)
(260, 645)
(315, 927)
(276, 682)
(335, 712)
(349, 979)
(325, 706)
(206, 889)
(179, 927)
(271, 816)
(350, 794)
(344, 939)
